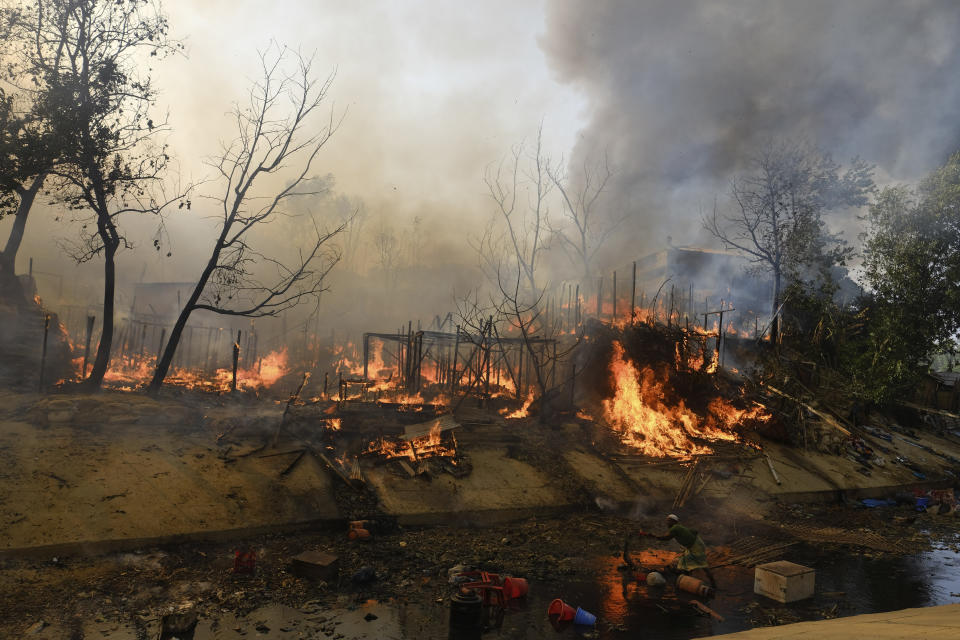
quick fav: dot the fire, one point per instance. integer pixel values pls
(430, 445)
(522, 412)
(271, 368)
(724, 415)
(639, 412)
(127, 373)
(377, 365)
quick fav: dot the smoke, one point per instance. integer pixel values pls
(682, 93)
(678, 95)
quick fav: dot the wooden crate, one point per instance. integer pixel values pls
(783, 581)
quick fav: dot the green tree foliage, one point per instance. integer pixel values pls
(911, 257)
(29, 145)
(92, 57)
(880, 343)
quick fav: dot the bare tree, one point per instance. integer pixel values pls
(526, 314)
(271, 137)
(777, 218)
(519, 186)
(387, 248)
(351, 212)
(586, 229)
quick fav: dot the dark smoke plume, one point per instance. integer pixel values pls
(681, 93)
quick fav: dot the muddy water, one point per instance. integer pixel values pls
(846, 584)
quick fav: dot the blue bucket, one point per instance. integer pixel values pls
(584, 618)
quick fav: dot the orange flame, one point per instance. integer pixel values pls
(639, 413)
(523, 411)
(430, 445)
(133, 372)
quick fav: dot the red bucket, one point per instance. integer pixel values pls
(515, 587)
(559, 612)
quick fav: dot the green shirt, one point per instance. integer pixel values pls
(686, 537)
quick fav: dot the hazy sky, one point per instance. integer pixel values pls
(433, 92)
(678, 93)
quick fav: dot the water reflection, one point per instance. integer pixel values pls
(848, 583)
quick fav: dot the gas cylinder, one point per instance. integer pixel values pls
(466, 615)
(694, 586)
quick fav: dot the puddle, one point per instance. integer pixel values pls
(624, 609)
(847, 584)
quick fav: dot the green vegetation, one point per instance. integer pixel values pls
(880, 342)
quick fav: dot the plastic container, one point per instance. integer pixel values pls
(584, 618)
(560, 613)
(514, 588)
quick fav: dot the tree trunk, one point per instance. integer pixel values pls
(8, 257)
(163, 365)
(775, 317)
(110, 237)
(102, 360)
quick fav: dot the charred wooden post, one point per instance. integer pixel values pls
(400, 356)
(577, 316)
(163, 335)
(43, 352)
(614, 317)
(408, 354)
(326, 382)
(633, 292)
(456, 353)
(366, 355)
(86, 348)
(599, 298)
(419, 340)
(519, 373)
(670, 311)
(720, 340)
(488, 343)
(236, 361)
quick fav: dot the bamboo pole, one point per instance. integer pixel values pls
(236, 362)
(577, 316)
(43, 352)
(614, 317)
(599, 298)
(456, 354)
(86, 348)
